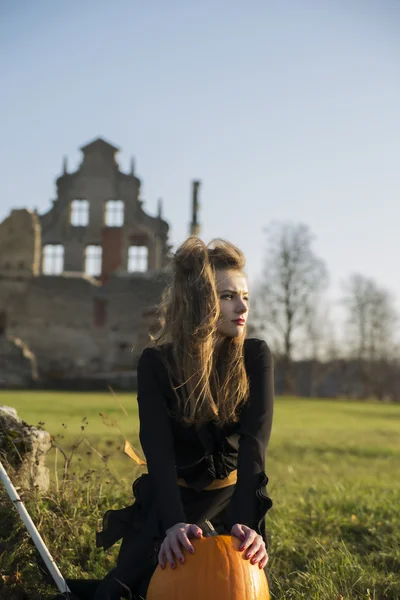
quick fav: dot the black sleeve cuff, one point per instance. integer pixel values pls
(250, 507)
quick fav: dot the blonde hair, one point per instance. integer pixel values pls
(210, 381)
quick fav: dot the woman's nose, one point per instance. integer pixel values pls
(242, 307)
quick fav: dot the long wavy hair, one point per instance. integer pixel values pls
(209, 379)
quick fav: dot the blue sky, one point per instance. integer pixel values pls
(286, 110)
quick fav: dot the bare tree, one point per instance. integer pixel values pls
(286, 298)
(372, 321)
(319, 346)
(318, 332)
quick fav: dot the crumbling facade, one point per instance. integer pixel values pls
(79, 283)
(98, 217)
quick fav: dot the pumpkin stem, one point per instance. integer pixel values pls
(211, 532)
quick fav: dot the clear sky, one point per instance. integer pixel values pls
(286, 110)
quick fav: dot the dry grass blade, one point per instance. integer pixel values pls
(122, 407)
(130, 451)
(128, 448)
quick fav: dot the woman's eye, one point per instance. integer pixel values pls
(227, 296)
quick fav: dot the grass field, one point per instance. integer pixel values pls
(334, 470)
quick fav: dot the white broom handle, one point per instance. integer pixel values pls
(35, 535)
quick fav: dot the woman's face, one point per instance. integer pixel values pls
(233, 297)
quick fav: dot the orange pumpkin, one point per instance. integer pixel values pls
(216, 571)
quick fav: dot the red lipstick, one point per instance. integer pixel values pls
(239, 321)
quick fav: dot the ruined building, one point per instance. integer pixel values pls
(79, 283)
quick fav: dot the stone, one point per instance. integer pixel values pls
(18, 367)
(20, 245)
(24, 448)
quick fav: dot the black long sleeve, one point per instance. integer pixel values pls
(254, 430)
(162, 448)
(157, 441)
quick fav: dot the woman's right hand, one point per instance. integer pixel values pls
(171, 546)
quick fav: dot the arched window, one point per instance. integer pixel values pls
(93, 258)
(53, 259)
(114, 216)
(138, 258)
(80, 213)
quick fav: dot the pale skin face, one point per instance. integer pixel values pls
(233, 294)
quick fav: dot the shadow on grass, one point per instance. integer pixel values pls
(340, 451)
(375, 414)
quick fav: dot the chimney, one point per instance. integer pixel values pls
(195, 225)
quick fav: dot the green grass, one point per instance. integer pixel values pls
(334, 478)
(69, 417)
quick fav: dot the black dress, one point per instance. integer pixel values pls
(197, 454)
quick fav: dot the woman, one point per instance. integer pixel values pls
(205, 396)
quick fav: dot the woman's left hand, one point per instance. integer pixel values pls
(252, 543)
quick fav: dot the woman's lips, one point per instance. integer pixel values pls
(239, 321)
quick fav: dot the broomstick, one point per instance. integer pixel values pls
(35, 535)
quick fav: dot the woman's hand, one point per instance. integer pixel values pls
(176, 535)
(252, 544)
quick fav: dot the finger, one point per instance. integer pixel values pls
(169, 556)
(161, 557)
(249, 539)
(176, 548)
(186, 543)
(239, 531)
(254, 547)
(195, 531)
(263, 563)
(259, 555)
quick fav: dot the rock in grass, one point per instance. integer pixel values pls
(24, 447)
